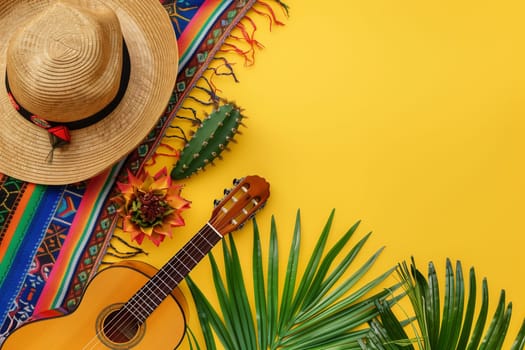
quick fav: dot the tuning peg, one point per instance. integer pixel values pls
(216, 202)
(227, 191)
(237, 181)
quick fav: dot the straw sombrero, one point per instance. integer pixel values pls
(82, 82)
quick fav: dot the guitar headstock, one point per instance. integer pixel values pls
(240, 203)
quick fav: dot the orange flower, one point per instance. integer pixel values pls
(151, 206)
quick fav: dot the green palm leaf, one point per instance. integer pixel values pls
(260, 290)
(318, 309)
(519, 343)
(291, 275)
(458, 328)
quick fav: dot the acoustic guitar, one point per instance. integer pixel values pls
(133, 306)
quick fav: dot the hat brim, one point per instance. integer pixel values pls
(152, 46)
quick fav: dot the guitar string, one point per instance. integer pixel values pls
(201, 235)
(157, 280)
(117, 321)
(169, 269)
(198, 243)
(143, 292)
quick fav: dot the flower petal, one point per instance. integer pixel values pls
(157, 239)
(162, 190)
(147, 230)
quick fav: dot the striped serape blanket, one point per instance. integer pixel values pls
(53, 238)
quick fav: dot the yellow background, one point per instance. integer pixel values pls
(407, 115)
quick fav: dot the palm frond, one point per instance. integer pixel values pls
(260, 290)
(452, 326)
(192, 340)
(317, 309)
(519, 342)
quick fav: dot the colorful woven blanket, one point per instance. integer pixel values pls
(53, 238)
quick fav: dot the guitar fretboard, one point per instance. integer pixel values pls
(149, 297)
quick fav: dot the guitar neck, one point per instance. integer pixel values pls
(238, 206)
(146, 300)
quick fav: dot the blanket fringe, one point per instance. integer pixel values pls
(270, 13)
(243, 43)
(171, 153)
(205, 93)
(227, 65)
(119, 253)
(195, 121)
(248, 28)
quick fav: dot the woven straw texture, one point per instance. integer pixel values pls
(25, 147)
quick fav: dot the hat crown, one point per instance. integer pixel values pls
(65, 64)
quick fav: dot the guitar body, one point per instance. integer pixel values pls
(131, 305)
(106, 293)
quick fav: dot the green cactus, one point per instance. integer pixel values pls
(210, 139)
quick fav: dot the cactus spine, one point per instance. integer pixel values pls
(210, 139)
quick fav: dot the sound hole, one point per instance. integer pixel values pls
(119, 329)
